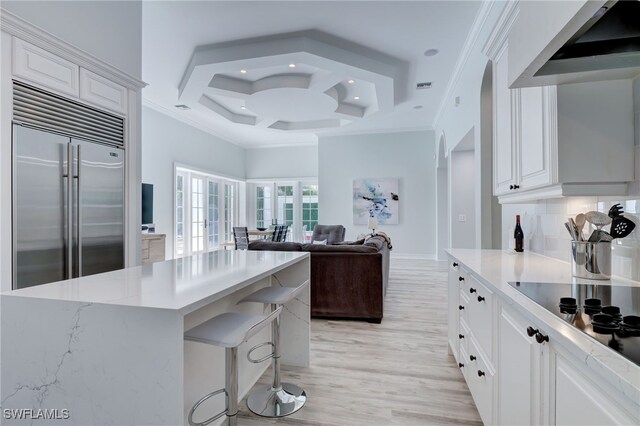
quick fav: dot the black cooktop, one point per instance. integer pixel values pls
(609, 314)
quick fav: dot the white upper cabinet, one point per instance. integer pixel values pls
(554, 141)
(34, 64)
(102, 92)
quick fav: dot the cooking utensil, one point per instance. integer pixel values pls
(615, 210)
(621, 227)
(580, 221)
(597, 219)
(599, 236)
(575, 229)
(571, 230)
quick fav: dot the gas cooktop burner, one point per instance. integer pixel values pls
(609, 314)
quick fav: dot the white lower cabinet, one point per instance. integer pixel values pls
(530, 379)
(520, 363)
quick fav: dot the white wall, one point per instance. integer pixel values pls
(109, 30)
(282, 162)
(167, 142)
(409, 156)
(463, 194)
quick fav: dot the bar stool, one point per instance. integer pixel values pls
(228, 330)
(278, 399)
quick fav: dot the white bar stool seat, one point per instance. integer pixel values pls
(278, 399)
(228, 330)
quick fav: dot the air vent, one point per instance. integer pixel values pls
(424, 85)
(35, 107)
(182, 107)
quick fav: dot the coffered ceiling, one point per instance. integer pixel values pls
(280, 73)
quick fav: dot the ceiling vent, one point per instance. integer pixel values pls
(182, 107)
(424, 85)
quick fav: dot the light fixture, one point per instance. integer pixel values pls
(356, 98)
(292, 65)
(351, 81)
(372, 224)
(182, 107)
(243, 71)
(243, 107)
(431, 52)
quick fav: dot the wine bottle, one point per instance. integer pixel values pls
(518, 234)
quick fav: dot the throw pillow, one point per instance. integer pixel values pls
(321, 242)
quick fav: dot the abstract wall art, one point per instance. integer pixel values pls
(376, 197)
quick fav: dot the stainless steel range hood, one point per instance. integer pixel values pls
(609, 40)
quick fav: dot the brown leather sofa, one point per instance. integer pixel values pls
(348, 281)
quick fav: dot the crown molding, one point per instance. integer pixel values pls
(16, 26)
(378, 131)
(500, 32)
(282, 145)
(471, 40)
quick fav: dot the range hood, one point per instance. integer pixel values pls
(609, 40)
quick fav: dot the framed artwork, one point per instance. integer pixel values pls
(377, 197)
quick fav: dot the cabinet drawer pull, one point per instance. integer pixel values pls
(472, 290)
(460, 365)
(460, 279)
(480, 299)
(455, 264)
(532, 331)
(541, 338)
(460, 336)
(472, 357)
(460, 307)
(480, 373)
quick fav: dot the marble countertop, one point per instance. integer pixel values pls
(184, 284)
(496, 268)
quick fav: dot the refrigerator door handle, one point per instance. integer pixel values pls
(69, 182)
(78, 213)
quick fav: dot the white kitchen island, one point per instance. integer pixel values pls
(109, 348)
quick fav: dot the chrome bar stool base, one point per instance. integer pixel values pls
(266, 401)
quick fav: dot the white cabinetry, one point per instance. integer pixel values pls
(44, 68)
(555, 141)
(516, 372)
(102, 92)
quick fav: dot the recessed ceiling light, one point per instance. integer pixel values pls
(356, 97)
(243, 107)
(243, 71)
(417, 107)
(431, 52)
(292, 65)
(182, 107)
(351, 81)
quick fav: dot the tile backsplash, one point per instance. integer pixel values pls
(543, 225)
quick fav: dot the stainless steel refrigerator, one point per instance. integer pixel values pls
(68, 207)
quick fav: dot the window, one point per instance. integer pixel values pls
(263, 206)
(179, 214)
(292, 203)
(205, 211)
(309, 207)
(285, 205)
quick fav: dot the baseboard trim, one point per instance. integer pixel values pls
(411, 256)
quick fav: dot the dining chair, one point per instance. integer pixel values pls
(241, 237)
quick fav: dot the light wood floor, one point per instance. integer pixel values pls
(394, 373)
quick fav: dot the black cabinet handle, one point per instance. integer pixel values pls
(480, 373)
(460, 307)
(480, 299)
(541, 338)
(455, 264)
(460, 279)
(516, 186)
(532, 331)
(472, 357)
(460, 365)
(472, 290)
(460, 336)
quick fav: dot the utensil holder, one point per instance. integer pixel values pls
(591, 260)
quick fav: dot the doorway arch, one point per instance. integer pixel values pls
(442, 199)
